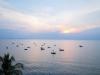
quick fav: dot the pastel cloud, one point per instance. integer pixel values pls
(48, 18)
(30, 22)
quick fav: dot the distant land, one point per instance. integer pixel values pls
(90, 34)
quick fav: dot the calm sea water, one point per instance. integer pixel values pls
(74, 60)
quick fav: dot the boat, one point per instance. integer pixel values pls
(42, 48)
(17, 45)
(53, 52)
(61, 49)
(7, 47)
(49, 47)
(54, 45)
(80, 46)
(25, 49)
(28, 47)
(13, 43)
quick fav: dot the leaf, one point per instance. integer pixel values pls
(1, 72)
(1, 59)
(17, 72)
(12, 58)
(19, 65)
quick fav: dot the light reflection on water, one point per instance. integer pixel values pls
(74, 60)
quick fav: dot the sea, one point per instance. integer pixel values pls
(58, 57)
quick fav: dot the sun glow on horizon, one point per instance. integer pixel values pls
(72, 30)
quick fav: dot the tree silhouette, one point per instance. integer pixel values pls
(9, 67)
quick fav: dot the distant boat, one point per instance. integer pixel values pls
(42, 48)
(34, 43)
(80, 46)
(21, 44)
(43, 44)
(61, 49)
(53, 52)
(7, 47)
(49, 47)
(13, 43)
(28, 47)
(54, 45)
(17, 45)
(25, 49)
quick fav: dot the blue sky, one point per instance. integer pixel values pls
(64, 16)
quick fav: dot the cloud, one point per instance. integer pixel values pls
(30, 22)
(48, 18)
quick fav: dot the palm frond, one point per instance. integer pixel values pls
(1, 72)
(17, 72)
(7, 66)
(12, 58)
(1, 59)
(19, 65)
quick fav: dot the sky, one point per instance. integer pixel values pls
(40, 16)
